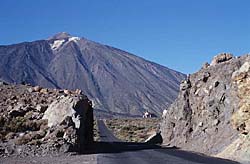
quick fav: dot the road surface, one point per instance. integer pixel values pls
(113, 151)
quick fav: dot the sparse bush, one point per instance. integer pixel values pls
(23, 140)
(96, 131)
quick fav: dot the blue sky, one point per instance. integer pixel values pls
(179, 34)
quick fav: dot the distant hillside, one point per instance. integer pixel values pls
(118, 83)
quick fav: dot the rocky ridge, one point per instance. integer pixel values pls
(36, 121)
(211, 114)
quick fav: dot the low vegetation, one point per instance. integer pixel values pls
(133, 130)
(96, 131)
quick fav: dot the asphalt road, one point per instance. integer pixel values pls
(113, 151)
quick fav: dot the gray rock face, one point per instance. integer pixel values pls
(204, 116)
(118, 83)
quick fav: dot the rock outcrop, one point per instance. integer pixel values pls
(211, 113)
(223, 57)
(40, 121)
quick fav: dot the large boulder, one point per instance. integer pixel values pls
(76, 110)
(65, 106)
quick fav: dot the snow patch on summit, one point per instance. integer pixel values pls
(56, 44)
(75, 39)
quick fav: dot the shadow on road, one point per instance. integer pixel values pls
(120, 152)
(123, 147)
(119, 147)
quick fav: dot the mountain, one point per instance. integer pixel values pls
(117, 82)
(211, 114)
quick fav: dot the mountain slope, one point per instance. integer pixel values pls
(117, 82)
